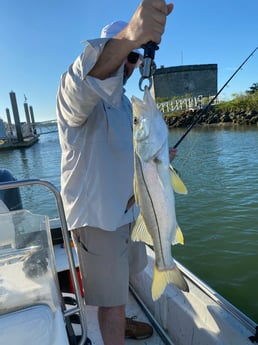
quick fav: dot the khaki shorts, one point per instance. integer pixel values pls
(106, 260)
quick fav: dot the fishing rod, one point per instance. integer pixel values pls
(205, 109)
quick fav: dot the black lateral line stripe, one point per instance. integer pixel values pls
(151, 200)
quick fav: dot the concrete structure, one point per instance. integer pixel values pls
(189, 80)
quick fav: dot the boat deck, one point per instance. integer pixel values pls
(200, 317)
(132, 309)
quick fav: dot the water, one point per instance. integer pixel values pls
(218, 216)
(41, 161)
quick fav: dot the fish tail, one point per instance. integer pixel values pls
(162, 278)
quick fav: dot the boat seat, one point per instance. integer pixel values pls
(11, 197)
(33, 325)
(28, 275)
(30, 300)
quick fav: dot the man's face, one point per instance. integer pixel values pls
(130, 64)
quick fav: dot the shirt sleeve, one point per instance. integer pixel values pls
(79, 93)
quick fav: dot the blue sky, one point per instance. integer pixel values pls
(40, 39)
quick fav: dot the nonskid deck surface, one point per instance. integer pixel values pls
(132, 309)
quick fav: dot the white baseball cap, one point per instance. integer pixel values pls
(113, 29)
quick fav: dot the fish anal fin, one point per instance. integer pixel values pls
(140, 232)
(177, 184)
(162, 278)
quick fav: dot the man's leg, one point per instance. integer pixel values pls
(103, 257)
(112, 324)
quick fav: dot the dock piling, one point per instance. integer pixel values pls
(16, 116)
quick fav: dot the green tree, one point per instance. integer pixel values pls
(253, 88)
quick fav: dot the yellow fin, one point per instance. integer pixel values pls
(159, 283)
(177, 184)
(140, 232)
(162, 278)
(179, 236)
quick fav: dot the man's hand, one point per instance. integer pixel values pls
(148, 22)
(172, 153)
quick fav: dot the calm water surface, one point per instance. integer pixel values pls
(218, 216)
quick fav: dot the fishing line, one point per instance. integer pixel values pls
(205, 109)
(182, 158)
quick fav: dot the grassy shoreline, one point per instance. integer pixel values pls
(241, 110)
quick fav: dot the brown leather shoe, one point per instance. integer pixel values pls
(136, 329)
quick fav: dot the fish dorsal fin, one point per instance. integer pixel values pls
(140, 232)
(177, 184)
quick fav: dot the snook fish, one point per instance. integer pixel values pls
(156, 224)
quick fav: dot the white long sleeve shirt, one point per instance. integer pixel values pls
(95, 132)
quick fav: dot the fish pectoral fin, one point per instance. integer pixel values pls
(162, 278)
(140, 232)
(179, 235)
(177, 184)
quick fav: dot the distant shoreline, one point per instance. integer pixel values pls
(213, 117)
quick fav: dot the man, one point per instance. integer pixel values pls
(95, 131)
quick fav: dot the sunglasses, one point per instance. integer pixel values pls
(133, 57)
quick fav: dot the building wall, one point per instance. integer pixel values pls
(192, 80)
